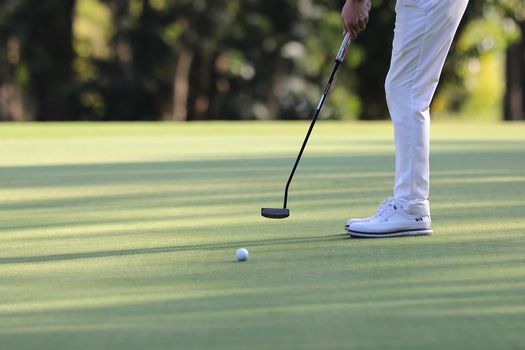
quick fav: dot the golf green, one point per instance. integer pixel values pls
(122, 236)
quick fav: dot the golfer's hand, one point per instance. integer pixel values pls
(355, 16)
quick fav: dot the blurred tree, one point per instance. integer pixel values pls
(236, 61)
(484, 74)
(514, 103)
(229, 59)
(377, 45)
(39, 46)
(11, 106)
(131, 81)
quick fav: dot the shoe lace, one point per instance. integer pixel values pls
(388, 209)
(384, 206)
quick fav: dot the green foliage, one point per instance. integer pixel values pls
(476, 68)
(237, 59)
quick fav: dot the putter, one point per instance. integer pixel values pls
(281, 213)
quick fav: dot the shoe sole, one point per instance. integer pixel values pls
(410, 233)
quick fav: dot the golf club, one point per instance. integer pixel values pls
(281, 213)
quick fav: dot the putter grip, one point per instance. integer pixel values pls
(344, 47)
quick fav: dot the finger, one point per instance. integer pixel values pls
(361, 24)
(353, 33)
(346, 26)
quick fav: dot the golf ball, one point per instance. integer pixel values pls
(242, 254)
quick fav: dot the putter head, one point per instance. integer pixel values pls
(275, 213)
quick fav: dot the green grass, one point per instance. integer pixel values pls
(122, 236)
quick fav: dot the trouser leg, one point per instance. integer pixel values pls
(422, 39)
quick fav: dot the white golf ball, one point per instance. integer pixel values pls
(242, 254)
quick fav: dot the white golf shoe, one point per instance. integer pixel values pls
(391, 221)
(380, 208)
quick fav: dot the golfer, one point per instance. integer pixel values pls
(423, 34)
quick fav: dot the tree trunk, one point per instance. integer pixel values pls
(200, 86)
(52, 73)
(182, 86)
(272, 101)
(11, 105)
(371, 76)
(514, 105)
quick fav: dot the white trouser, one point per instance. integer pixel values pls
(423, 35)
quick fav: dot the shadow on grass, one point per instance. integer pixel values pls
(250, 169)
(170, 249)
(195, 186)
(212, 182)
(427, 247)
